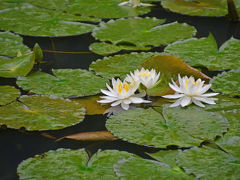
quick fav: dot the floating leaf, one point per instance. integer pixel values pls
(169, 67)
(182, 127)
(136, 168)
(104, 9)
(41, 113)
(10, 44)
(53, 4)
(8, 94)
(166, 156)
(18, 66)
(106, 49)
(204, 52)
(227, 83)
(66, 82)
(30, 20)
(119, 65)
(142, 32)
(208, 163)
(91, 105)
(197, 8)
(91, 136)
(70, 164)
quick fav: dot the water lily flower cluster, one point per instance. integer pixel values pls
(124, 93)
(133, 3)
(190, 91)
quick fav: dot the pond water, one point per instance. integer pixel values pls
(17, 145)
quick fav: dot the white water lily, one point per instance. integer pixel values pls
(133, 3)
(191, 91)
(122, 93)
(146, 77)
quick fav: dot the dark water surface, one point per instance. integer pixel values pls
(17, 145)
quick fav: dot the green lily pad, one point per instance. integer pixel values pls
(41, 113)
(166, 156)
(227, 83)
(182, 127)
(136, 168)
(53, 4)
(106, 49)
(18, 66)
(71, 164)
(64, 83)
(169, 67)
(10, 44)
(104, 9)
(197, 8)
(142, 32)
(204, 52)
(8, 94)
(209, 163)
(30, 20)
(119, 65)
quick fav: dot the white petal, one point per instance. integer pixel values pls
(173, 96)
(209, 94)
(123, 3)
(105, 101)
(116, 103)
(175, 88)
(204, 89)
(127, 101)
(206, 100)
(107, 93)
(177, 103)
(185, 101)
(109, 98)
(124, 106)
(111, 90)
(198, 103)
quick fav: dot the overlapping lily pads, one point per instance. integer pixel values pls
(71, 164)
(30, 20)
(104, 9)
(142, 32)
(227, 83)
(64, 83)
(41, 113)
(119, 65)
(136, 168)
(10, 44)
(204, 52)
(182, 127)
(208, 163)
(8, 94)
(105, 49)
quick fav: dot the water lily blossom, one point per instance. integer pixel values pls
(133, 3)
(190, 91)
(122, 93)
(146, 77)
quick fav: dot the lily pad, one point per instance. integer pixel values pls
(18, 66)
(64, 83)
(166, 156)
(10, 44)
(71, 164)
(30, 20)
(8, 94)
(142, 32)
(104, 9)
(209, 163)
(106, 49)
(119, 65)
(182, 127)
(197, 8)
(41, 113)
(91, 105)
(169, 67)
(227, 83)
(136, 168)
(204, 52)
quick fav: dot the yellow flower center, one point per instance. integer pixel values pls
(187, 81)
(144, 74)
(122, 86)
